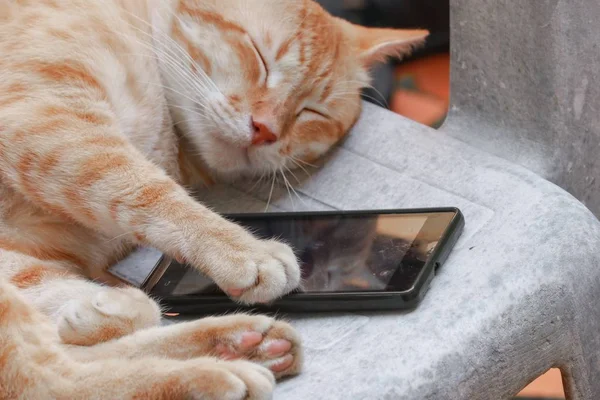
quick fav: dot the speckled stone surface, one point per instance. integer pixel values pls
(525, 86)
(521, 291)
(517, 296)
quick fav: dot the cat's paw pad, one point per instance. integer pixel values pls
(271, 270)
(230, 380)
(107, 314)
(271, 343)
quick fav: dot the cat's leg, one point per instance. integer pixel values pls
(80, 166)
(34, 367)
(273, 344)
(164, 379)
(84, 312)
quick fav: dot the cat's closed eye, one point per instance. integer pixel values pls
(312, 111)
(293, 72)
(261, 58)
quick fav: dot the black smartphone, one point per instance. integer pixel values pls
(350, 261)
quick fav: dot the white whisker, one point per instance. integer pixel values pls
(287, 187)
(257, 182)
(174, 46)
(292, 187)
(300, 166)
(292, 172)
(271, 192)
(190, 59)
(304, 162)
(169, 58)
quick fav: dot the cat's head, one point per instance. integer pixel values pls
(255, 85)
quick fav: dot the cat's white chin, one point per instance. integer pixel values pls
(226, 160)
(230, 162)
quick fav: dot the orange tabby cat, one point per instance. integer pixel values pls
(91, 164)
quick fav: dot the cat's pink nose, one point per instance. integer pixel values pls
(262, 133)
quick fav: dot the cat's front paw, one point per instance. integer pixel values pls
(260, 273)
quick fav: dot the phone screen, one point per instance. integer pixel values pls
(337, 252)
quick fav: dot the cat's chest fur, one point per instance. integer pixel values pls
(130, 71)
(113, 40)
(114, 46)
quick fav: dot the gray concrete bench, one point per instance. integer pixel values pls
(521, 291)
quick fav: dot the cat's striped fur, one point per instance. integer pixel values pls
(91, 165)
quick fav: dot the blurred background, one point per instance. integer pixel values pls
(418, 88)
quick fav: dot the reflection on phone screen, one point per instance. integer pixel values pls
(345, 252)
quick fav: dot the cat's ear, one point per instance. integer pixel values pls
(375, 45)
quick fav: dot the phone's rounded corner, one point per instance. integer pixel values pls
(413, 296)
(459, 217)
(456, 210)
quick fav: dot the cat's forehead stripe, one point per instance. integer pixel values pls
(284, 48)
(326, 91)
(195, 53)
(211, 18)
